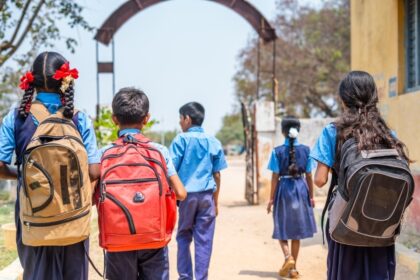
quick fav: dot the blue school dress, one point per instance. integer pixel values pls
(349, 262)
(46, 262)
(292, 213)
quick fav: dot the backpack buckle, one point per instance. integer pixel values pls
(129, 139)
(138, 197)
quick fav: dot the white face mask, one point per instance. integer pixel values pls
(293, 133)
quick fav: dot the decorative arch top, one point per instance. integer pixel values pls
(130, 8)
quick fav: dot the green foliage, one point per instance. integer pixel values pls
(36, 22)
(163, 137)
(107, 131)
(26, 26)
(232, 131)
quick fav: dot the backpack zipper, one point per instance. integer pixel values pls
(346, 197)
(132, 164)
(47, 224)
(60, 121)
(59, 138)
(50, 182)
(125, 210)
(77, 162)
(130, 181)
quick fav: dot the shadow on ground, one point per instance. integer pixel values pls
(261, 274)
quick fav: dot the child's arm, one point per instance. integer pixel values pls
(310, 183)
(217, 179)
(7, 172)
(178, 187)
(274, 182)
(94, 171)
(321, 175)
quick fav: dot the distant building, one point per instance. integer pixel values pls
(385, 41)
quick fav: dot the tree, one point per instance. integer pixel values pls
(232, 131)
(107, 131)
(36, 20)
(167, 136)
(313, 53)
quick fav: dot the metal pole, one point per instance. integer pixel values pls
(113, 67)
(274, 74)
(97, 82)
(258, 66)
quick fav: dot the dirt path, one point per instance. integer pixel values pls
(243, 248)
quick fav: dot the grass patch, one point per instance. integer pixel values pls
(6, 216)
(6, 257)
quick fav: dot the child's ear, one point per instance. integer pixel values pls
(146, 119)
(115, 120)
(188, 119)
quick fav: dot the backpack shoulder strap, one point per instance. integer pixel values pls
(39, 111)
(334, 182)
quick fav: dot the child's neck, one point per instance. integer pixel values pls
(130, 126)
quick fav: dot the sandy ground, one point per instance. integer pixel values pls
(243, 248)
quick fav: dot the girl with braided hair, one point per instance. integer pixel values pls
(362, 121)
(291, 195)
(51, 83)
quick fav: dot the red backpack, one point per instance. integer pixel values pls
(136, 206)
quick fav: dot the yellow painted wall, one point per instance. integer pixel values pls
(377, 46)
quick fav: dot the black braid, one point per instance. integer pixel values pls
(293, 169)
(69, 102)
(25, 104)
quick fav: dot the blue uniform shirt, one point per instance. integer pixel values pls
(53, 102)
(196, 156)
(324, 149)
(169, 165)
(274, 165)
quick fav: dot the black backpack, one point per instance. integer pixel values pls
(368, 196)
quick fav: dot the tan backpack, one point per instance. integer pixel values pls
(55, 197)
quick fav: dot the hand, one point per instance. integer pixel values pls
(312, 203)
(269, 206)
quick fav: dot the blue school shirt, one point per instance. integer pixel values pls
(53, 102)
(162, 149)
(324, 149)
(196, 156)
(274, 164)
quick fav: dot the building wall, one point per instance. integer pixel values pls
(378, 47)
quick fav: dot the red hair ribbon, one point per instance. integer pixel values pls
(65, 72)
(26, 80)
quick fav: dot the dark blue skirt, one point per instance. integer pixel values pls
(359, 263)
(293, 215)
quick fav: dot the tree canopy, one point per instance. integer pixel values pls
(313, 53)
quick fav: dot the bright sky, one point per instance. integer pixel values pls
(177, 51)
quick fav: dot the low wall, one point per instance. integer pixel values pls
(309, 133)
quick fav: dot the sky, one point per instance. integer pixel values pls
(178, 51)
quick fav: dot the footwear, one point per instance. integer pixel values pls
(289, 264)
(294, 274)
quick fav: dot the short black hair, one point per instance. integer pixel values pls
(130, 106)
(195, 111)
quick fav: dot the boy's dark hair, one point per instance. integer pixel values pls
(130, 106)
(43, 69)
(195, 111)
